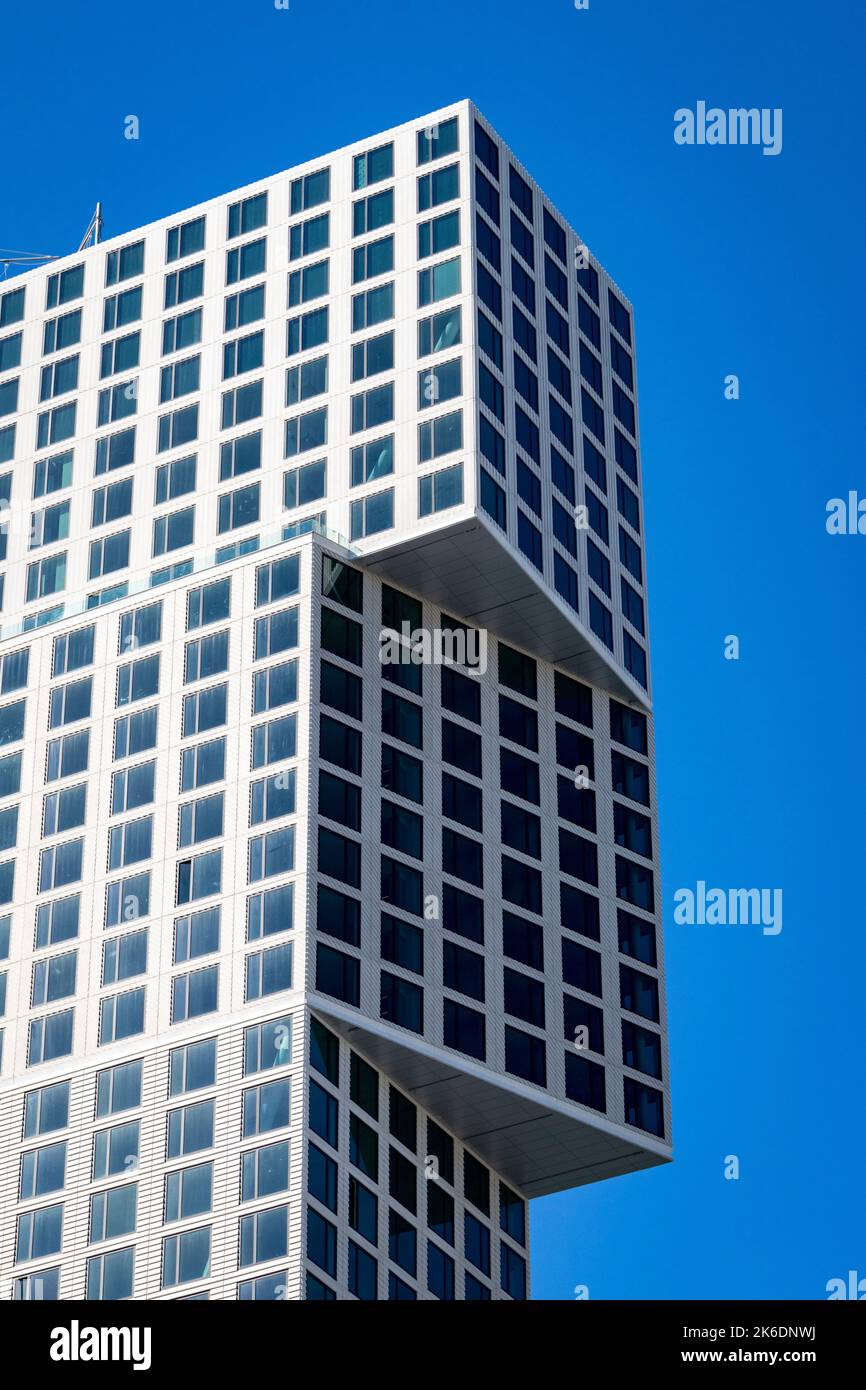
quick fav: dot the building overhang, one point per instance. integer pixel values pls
(468, 571)
(538, 1143)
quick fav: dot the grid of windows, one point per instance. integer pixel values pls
(457, 762)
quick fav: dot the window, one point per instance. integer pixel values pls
(179, 379)
(12, 306)
(124, 957)
(372, 356)
(401, 1002)
(268, 972)
(265, 1108)
(42, 1171)
(436, 141)
(373, 167)
(50, 475)
(372, 259)
(274, 687)
(644, 1107)
(438, 234)
(372, 306)
(267, 1045)
(306, 331)
(186, 1257)
(62, 287)
(237, 509)
(184, 239)
(305, 238)
(58, 377)
(60, 865)
(440, 383)
(241, 455)
(181, 332)
(247, 215)
(203, 764)
(439, 282)
(372, 514)
(488, 243)
(120, 1016)
(188, 1192)
(52, 426)
(194, 994)
(109, 554)
(241, 308)
(115, 451)
(62, 811)
(242, 404)
(127, 899)
(199, 877)
(310, 379)
(271, 854)
(9, 404)
(191, 1068)
(309, 283)
(182, 285)
(310, 191)
(369, 214)
(57, 921)
(175, 479)
(440, 186)
(305, 432)
(191, 1128)
(177, 428)
(38, 1233)
(196, 935)
(263, 1236)
(439, 491)
(118, 1088)
(200, 820)
(112, 502)
(521, 193)
(275, 741)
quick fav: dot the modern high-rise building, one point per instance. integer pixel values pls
(329, 913)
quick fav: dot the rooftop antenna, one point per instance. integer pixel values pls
(29, 259)
(94, 229)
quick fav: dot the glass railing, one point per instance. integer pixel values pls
(167, 574)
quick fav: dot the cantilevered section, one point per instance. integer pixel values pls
(535, 1141)
(474, 575)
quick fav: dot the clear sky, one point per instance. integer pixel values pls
(736, 263)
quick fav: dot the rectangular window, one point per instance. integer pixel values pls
(309, 283)
(243, 262)
(372, 259)
(439, 491)
(306, 331)
(184, 239)
(247, 215)
(181, 332)
(244, 307)
(372, 515)
(310, 191)
(439, 282)
(306, 238)
(372, 306)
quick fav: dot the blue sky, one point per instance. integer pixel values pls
(736, 263)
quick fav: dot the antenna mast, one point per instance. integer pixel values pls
(94, 229)
(29, 259)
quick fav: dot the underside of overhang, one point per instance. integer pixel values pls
(468, 571)
(537, 1143)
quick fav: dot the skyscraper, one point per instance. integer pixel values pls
(328, 820)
